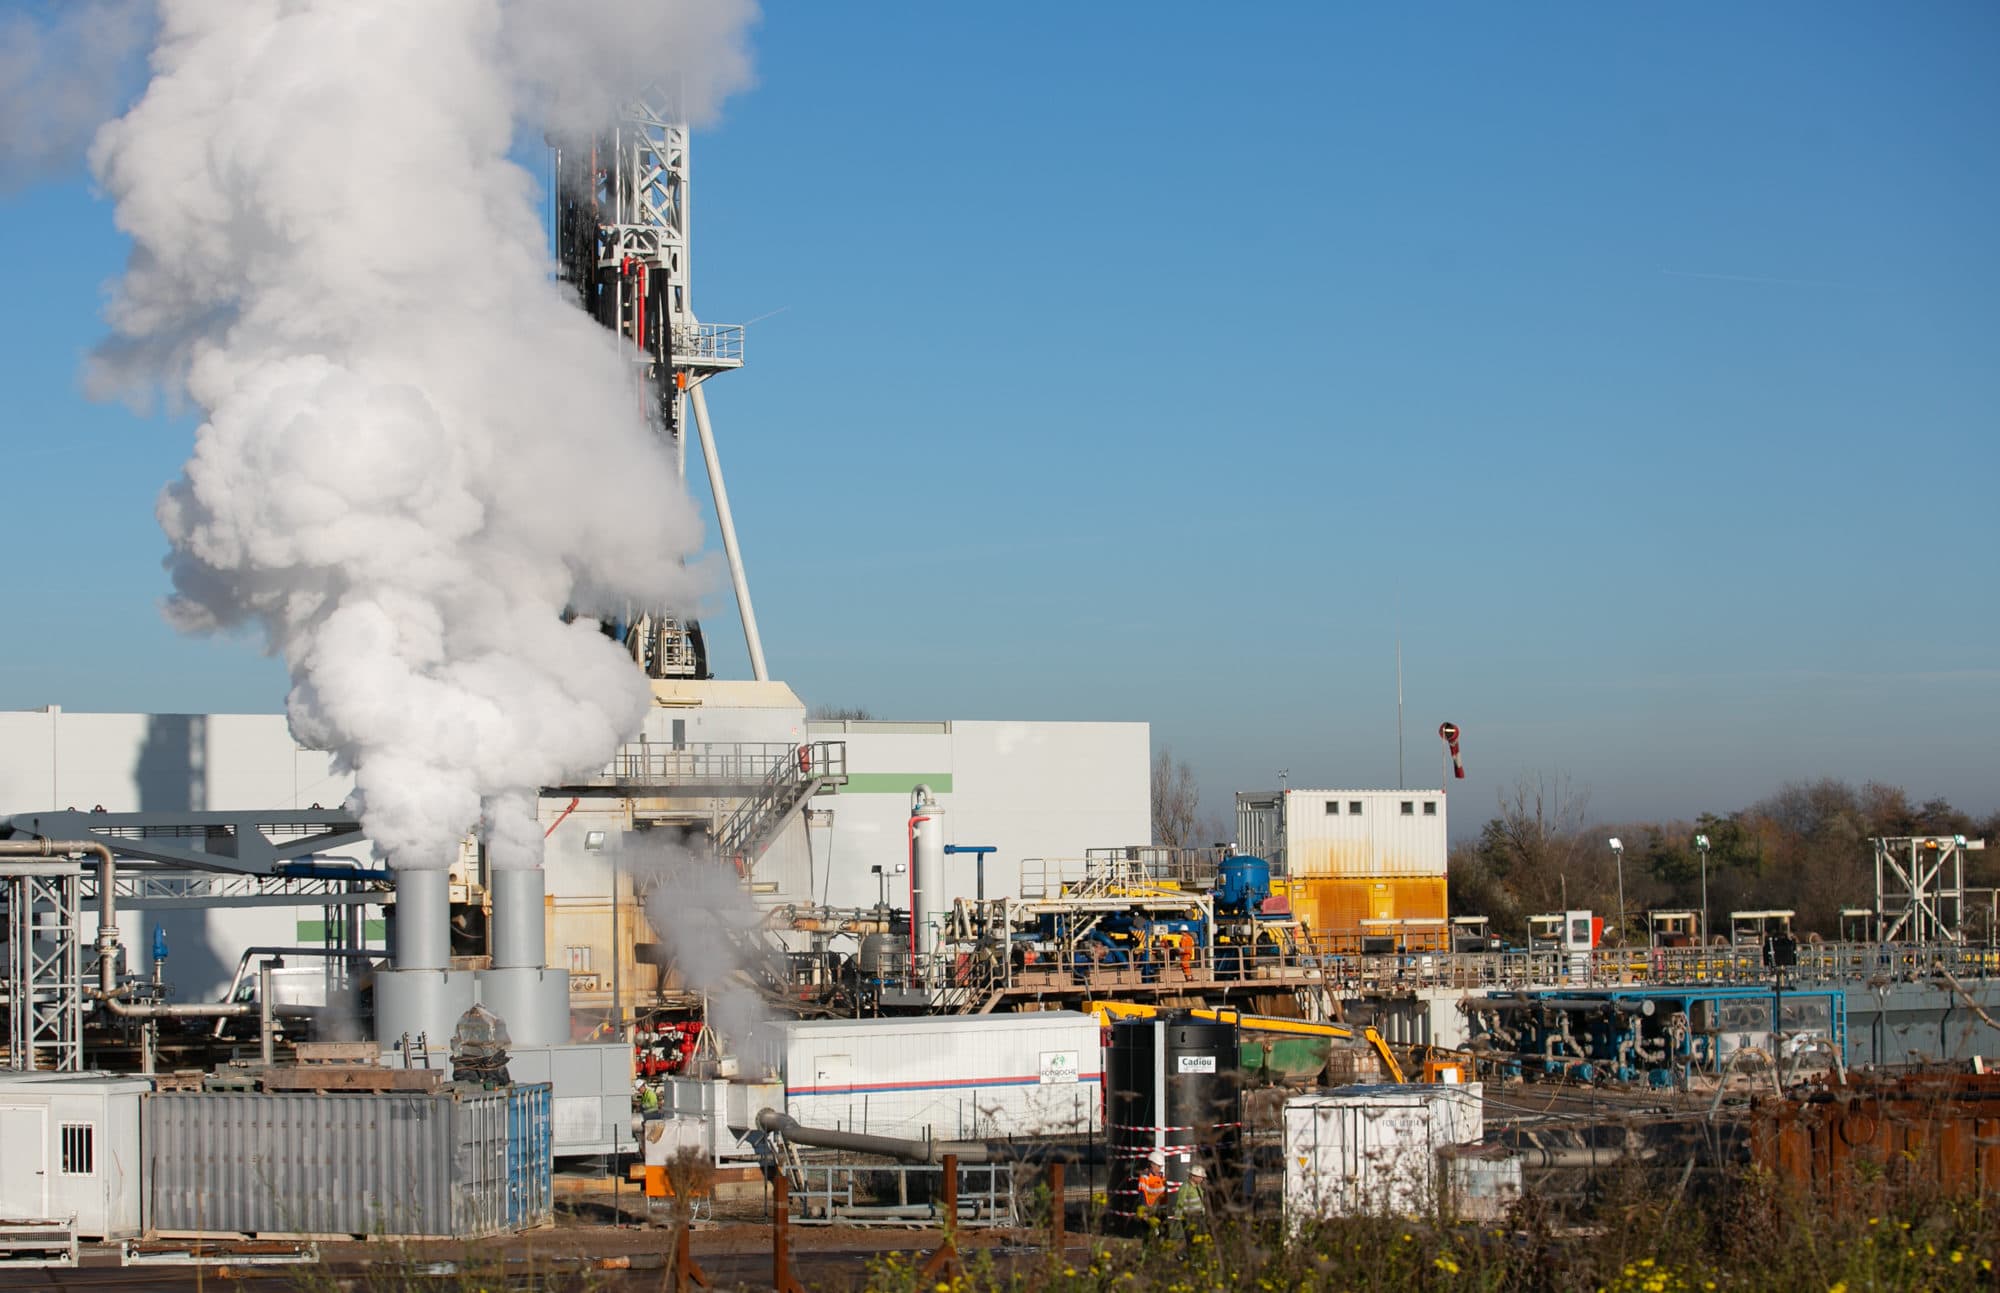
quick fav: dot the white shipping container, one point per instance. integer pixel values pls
(949, 1077)
(1347, 833)
(1481, 1183)
(1373, 1150)
(69, 1148)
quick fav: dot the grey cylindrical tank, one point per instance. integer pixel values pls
(420, 1003)
(533, 1002)
(929, 901)
(1173, 1095)
(520, 919)
(423, 919)
(881, 956)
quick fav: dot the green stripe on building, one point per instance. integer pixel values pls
(895, 783)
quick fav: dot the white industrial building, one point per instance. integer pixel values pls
(1028, 789)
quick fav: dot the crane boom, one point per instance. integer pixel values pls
(1108, 1010)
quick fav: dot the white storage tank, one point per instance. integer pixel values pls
(949, 1077)
(69, 1151)
(1373, 1150)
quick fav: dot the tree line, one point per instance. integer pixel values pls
(1804, 848)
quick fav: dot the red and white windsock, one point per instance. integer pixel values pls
(1449, 733)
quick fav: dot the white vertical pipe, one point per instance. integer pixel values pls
(266, 1050)
(728, 524)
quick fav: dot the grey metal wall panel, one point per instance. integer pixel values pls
(342, 1163)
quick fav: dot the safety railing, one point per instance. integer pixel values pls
(716, 764)
(1332, 962)
(1190, 868)
(902, 1194)
(709, 343)
(750, 827)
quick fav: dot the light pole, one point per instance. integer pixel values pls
(1618, 852)
(1701, 843)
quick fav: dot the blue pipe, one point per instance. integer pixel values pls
(328, 871)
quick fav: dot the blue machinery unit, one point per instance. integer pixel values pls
(1143, 924)
(1662, 1036)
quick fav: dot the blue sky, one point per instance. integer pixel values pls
(1640, 367)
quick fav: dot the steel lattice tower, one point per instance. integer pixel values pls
(622, 220)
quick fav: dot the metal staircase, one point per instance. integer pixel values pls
(816, 766)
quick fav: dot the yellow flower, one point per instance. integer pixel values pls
(1645, 1261)
(1956, 1257)
(1838, 1288)
(1445, 1264)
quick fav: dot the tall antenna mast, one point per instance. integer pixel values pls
(624, 216)
(1399, 711)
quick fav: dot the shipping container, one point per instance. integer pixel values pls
(457, 1163)
(1373, 1150)
(1349, 833)
(1343, 907)
(590, 1090)
(69, 1148)
(949, 1077)
(1481, 1182)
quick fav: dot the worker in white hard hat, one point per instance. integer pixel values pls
(1153, 1181)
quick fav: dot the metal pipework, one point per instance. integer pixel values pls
(1643, 1006)
(243, 965)
(265, 1046)
(1578, 1155)
(423, 919)
(107, 897)
(909, 1151)
(519, 918)
(727, 524)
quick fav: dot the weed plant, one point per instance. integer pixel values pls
(1630, 1237)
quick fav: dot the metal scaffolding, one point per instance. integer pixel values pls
(623, 225)
(44, 966)
(1920, 888)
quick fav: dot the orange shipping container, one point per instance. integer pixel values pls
(1336, 905)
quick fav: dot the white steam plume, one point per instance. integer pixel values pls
(64, 71)
(713, 934)
(416, 452)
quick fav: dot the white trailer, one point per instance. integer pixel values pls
(947, 1077)
(69, 1151)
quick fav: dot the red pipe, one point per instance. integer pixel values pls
(639, 308)
(561, 817)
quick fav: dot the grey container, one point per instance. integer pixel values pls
(454, 1164)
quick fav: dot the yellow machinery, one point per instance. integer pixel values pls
(1106, 1011)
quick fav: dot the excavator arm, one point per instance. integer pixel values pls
(1109, 1010)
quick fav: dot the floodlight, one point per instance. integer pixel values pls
(1617, 845)
(594, 841)
(1701, 842)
